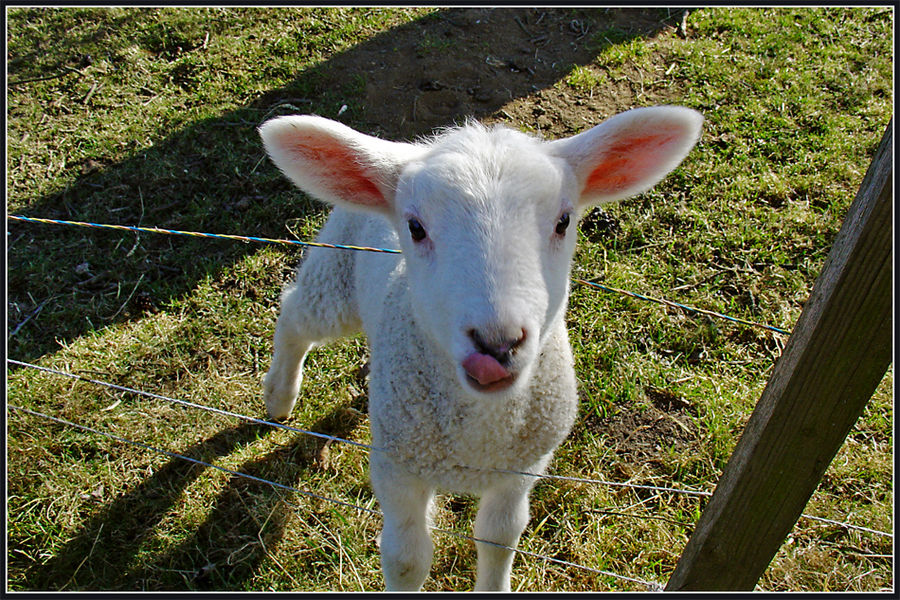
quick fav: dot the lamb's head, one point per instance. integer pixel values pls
(486, 218)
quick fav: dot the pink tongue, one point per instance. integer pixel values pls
(484, 369)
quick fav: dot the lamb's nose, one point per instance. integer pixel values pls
(496, 346)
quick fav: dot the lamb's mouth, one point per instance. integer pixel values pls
(486, 374)
(495, 386)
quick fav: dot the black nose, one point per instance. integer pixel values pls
(498, 347)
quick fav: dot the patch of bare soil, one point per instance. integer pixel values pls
(642, 432)
(491, 64)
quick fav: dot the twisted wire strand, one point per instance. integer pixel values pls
(650, 585)
(223, 236)
(193, 405)
(652, 488)
(385, 250)
(369, 447)
(710, 313)
(193, 460)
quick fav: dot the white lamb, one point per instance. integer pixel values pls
(472, 374)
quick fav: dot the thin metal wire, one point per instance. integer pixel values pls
(373, 448)
(651, 585)
(370, 249)
(681, 306)
(193, 460)
(652, 488)
(848, 526)
(192, 405)
(223, 236)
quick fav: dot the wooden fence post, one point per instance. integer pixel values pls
(834, 360)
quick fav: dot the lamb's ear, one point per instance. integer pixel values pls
(335, 163)
(630, 152)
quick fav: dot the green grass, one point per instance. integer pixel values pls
(147, 116)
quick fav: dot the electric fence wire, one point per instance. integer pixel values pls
(222, 236)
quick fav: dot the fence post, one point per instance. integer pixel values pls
(834, 360)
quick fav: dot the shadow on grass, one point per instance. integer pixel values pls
(213, 175)
(113, 551)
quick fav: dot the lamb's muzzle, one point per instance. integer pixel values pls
(488, 366)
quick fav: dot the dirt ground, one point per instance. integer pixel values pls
(492, 64)
(642, 432)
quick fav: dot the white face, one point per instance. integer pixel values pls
(488, 242)
(486, 218)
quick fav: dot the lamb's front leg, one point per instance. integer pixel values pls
(406, 546)
(282, 383)
(295, 334)
(502, 516)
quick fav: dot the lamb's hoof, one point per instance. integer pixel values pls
(280, 399)
(278, 408)
(278, 419)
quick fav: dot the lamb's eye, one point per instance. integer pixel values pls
(416, 231)
(562, 224)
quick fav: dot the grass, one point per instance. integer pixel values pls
(147, 116)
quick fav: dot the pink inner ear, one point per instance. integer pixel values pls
(340, 170)
(627, 162)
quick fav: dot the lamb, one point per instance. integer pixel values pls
(471, 372)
